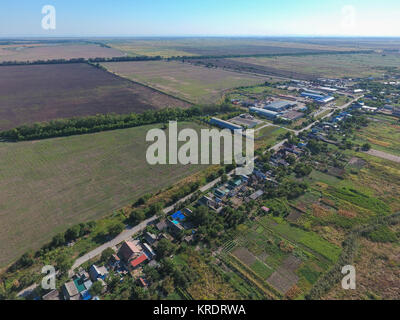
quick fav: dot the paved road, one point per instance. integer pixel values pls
(27, 291)
(117, 240)
(127, 234)
(384, 155)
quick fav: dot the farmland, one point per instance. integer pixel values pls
(192, 83)
(41, 51)
(383, 134)
(169, 47)
(37, 93)
(331, 66)
(48, 185)
(280, 260)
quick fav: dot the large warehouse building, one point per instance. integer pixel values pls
(264, 113)
(317, 97)
(224, 124)
(279, 106)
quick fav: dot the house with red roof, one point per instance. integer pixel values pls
(135, 263)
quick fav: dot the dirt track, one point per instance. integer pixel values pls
(384, 155)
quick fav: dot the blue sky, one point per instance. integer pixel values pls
(204, 17)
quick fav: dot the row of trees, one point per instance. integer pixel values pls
(97, 123)
(79, 60)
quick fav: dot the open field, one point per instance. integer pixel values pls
(49, 185)
(37, 93)
(193, 83)
(329, 66)
(216, 46)
(244, 66)
(41, 51)
(267, 136)
(382, 133)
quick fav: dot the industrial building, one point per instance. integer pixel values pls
(279, 106)
(224, 124)
(318, 97)
(264, 113)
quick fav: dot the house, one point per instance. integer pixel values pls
(162, 225)
(97, 272)
(178, 216)
(188, 239)
(220, 193)
(88, 284)
(175, 226)
(235, 183)
(52, 295)
(149, 237)
(129, 251)
(70, 291)
(85, 295)
(149, 251)
(135, 263)
(256, 195)
(207, 201)
(265, 209)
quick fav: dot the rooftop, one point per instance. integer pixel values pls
(138, 260)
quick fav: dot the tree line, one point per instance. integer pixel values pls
(80, 60)
(97, 123)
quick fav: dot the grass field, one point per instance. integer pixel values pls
(183, 80)
(268, 136)
(331, 66)
(42, 51)
(43, 92)
(48, 185)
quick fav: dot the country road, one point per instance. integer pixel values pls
(383, 155)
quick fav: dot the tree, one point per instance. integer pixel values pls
(116, 229)
(58, 240)
(200, 216)
(63, 262)
(107, 254)
(73, 233)
(165, 248)
(96, 289)
(137, 216)
(168, 285)
(366, 147)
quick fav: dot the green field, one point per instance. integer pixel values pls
(49, 185)
(268, 136)
(192, 83)
(331, 66)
